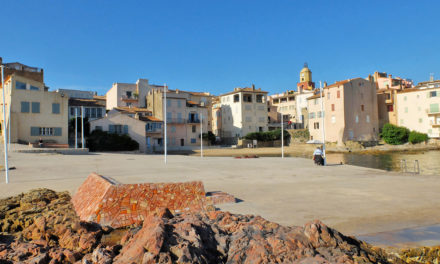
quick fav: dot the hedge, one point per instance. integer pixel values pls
(417, 137)
(394, 135)
(103, 141)
(267, 136)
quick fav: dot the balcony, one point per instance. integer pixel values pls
(176, 121)
(193, 121)
(130, 99)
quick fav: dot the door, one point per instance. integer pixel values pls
(182, 142)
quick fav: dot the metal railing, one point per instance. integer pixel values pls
(404, 167)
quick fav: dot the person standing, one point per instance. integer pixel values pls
(317, 156)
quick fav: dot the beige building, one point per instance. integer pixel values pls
(34, 111)
(243, 111)
(144, 129)
(387, 87)
(418, 108)
(185, 111)
(350, 112)
(129, 94)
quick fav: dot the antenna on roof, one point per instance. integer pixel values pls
(306, 65)
(431, 77)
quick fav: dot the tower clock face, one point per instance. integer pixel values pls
(302, 74)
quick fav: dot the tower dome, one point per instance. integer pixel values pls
(305, 74)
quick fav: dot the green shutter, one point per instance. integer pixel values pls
(57, 131)
(55, 108)
(111, 129)
(125, 129)
(35, 131)
(35, 107)
(433, 108)
(25, 107)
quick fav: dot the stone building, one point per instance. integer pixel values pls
(350, 112)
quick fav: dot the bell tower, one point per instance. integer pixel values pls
(305, 79)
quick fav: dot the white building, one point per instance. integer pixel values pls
(243, 111)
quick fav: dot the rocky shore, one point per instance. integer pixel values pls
(41, 227)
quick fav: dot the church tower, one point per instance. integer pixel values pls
(305, 79)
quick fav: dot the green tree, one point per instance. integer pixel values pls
(416, 137)
(394, 135)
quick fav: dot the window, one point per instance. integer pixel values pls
(420, 120)
(248, 119)
(193, 140)
(333, 119)
(312, 115)
(179, 103)
(333, 107)
(194, 129)
(401, 121)
(98, 128)
(55, 108)
(328, 95)
(20, 85)
(93, 112)
(433, 108)
(316, 125)
(338, 94)
(46, 131)
(168, 102)
(368, 119)
(34, 88)
(315, 101)
(319, 114)
(128, 93)
(247, 98)
(179, 117)
(99, 112)
(259, 98)
(433, 94)
(362, 108)
(35, 107)
(404, 98)
(390, 108)
(173, 129)
(169, 115)
(357, 119)
(72, 111)
(87, 112)
(236, 98)
(25, 107)
(118, 129)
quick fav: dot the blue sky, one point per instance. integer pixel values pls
(218, 45)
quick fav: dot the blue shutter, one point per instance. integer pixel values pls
(55, 108)
(125, 129)
(57, 131)
(35, 131)
(25, 107)
(196, 117)
(35, 107)
(111, 129)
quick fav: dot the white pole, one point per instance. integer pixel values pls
(201, 135)
(165, 123)
(5, 137)
(82, 126)
(9, 129)
(323, 123)
(282, 137)
(76, 127)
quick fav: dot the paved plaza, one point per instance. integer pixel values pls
(289, 191)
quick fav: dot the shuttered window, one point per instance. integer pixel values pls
(433, 108)
(57, 131)
(35, 131)
(55, 108)
(35, 107)
(20, 85)
(25, 107)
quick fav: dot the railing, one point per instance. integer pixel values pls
(404, 167)
(182, 121)
(124, 97)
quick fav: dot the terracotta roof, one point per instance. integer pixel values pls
(338, 83)
(149, 118)
(86, 102)
(132, 109)
(99, 97)
(192, 102)
(315, 96)
(246, 89)
(409, 90)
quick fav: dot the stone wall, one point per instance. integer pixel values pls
(107, 202)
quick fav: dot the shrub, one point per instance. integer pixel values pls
(209, 136)
(267, 136)
(103, 141)
(417, 137)
(394, 135)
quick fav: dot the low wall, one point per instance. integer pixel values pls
(107, 202)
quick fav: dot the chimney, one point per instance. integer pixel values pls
(253, 87)
(325, 84)
(390, 76)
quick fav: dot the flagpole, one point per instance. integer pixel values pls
(82, 127)
(76, 127)
(201, 135)
(5, 139)
(165, 122)
(323, 123)
(282, 137)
